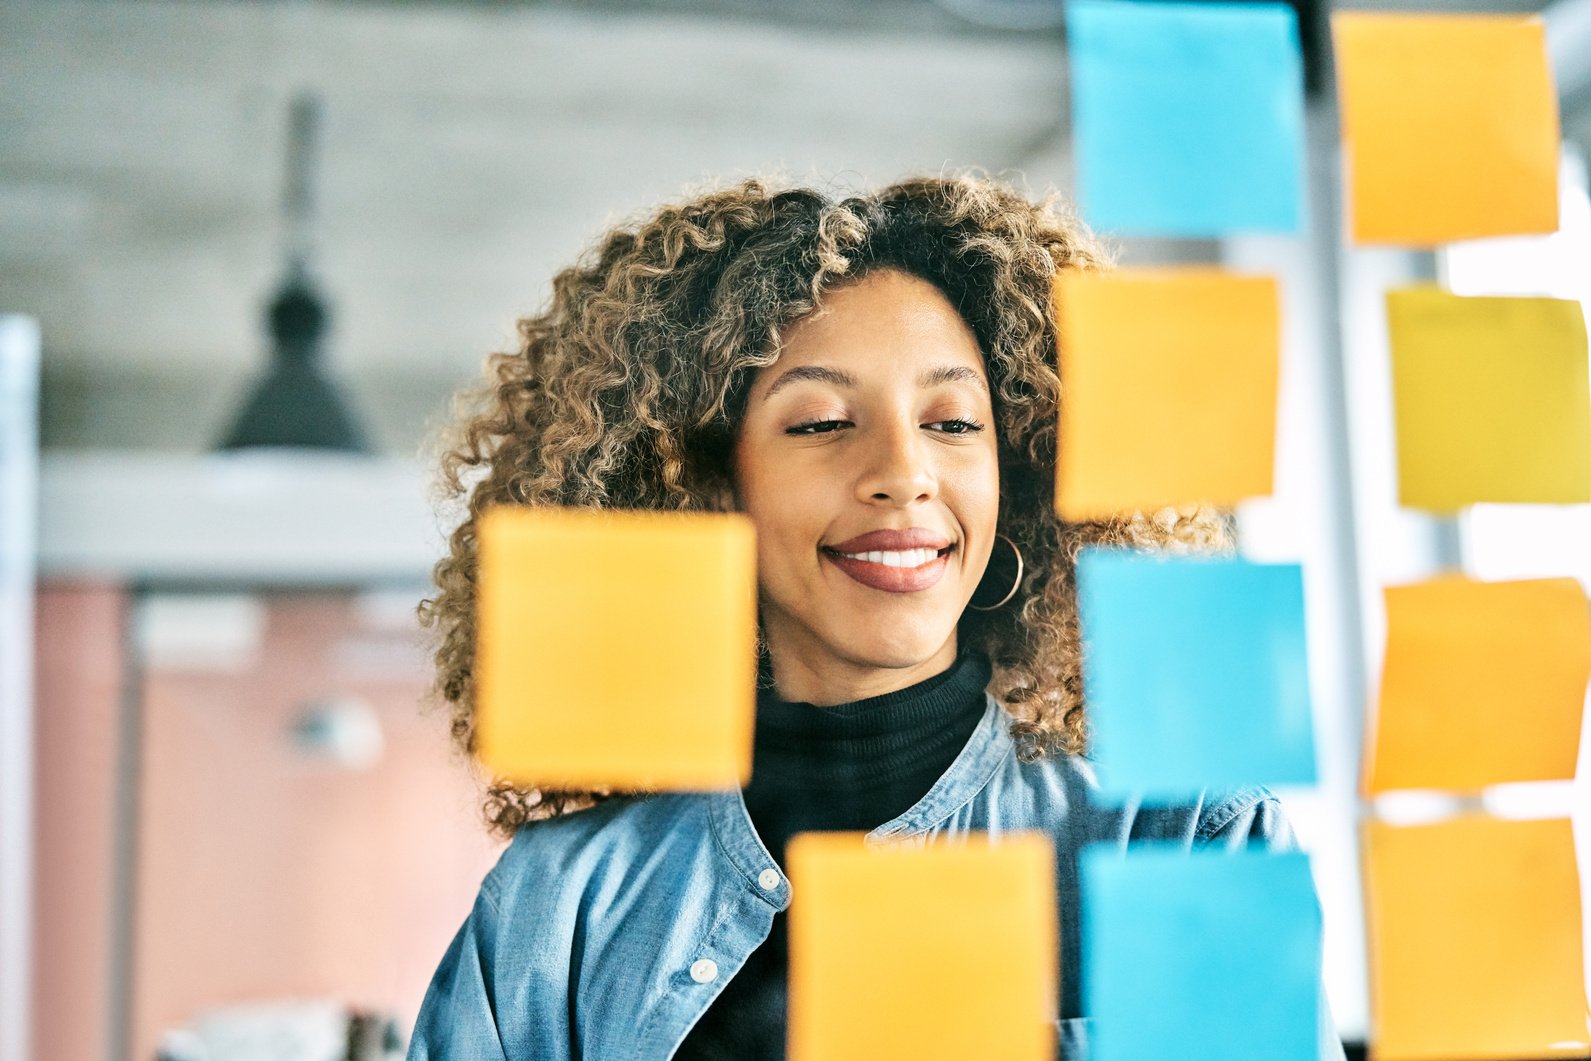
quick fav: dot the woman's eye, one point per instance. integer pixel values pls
(956, 427)
(817, 427)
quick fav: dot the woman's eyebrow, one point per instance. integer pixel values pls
(811, 373)
(840, 378)
(952, 374)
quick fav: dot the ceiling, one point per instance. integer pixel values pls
(467, 151)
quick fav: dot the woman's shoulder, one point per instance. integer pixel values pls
(1065, 787)
(597, 842)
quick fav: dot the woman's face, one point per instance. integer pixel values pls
(867, 462)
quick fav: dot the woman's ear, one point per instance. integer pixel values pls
(721, 496)
(715, 464)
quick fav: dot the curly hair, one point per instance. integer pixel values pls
(626, 392)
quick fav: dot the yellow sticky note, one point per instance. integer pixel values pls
(946, 950)
(1449, 124)
(616, 649)
(1475, 941)
(1491, 399)
(1484, 683)
(1168, 389)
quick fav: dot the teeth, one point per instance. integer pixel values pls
(897, 558)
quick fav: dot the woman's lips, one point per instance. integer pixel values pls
(862, 558)
(889, 578)
(892, 540)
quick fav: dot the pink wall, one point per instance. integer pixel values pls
(79, 688)
(263, 874)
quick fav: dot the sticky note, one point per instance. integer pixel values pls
(1475, 940)
(1187, 119)
(1449, 124)
(1168, 389)
(616, 649)
(942, 950)
(1201, 956)
(1491, 399)
(1194, 672)
(1483, 683)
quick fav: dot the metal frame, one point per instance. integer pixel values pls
(19, 466)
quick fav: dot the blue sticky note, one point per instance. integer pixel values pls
(1195, 672)
(1187, 119)
(1202, 956)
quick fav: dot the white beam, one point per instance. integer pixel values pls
(275, 518)
(19, 455)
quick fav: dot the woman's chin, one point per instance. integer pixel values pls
(896, 653)
(850, 641)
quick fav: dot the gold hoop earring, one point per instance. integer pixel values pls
(1016, 583)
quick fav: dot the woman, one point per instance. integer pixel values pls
(871, 381)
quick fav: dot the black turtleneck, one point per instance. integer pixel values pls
(852, 767)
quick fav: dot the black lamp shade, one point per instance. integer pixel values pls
(296, 405)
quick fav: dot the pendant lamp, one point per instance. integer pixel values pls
(296, 405)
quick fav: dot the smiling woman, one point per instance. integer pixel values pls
(866, 459)
(635, 388)
(872, 382)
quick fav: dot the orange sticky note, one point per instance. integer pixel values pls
(1491, 399)
(1484, 683)
(1475, 941)
(1449, 124)
(946, 950)
(1168, 389)
(616, 649)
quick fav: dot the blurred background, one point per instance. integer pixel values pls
(249, 250)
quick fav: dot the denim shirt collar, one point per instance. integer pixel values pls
(967, 774)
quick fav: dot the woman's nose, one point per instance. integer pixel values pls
(899, 469)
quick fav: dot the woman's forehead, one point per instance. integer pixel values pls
(889, 322)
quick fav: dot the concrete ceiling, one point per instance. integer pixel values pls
(468, 150)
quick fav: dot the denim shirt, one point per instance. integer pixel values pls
(606, 933)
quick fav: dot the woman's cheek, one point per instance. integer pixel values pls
(780, 534)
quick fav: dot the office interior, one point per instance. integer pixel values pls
(226, 795)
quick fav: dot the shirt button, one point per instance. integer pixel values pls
(704, 970)
(769, 879)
